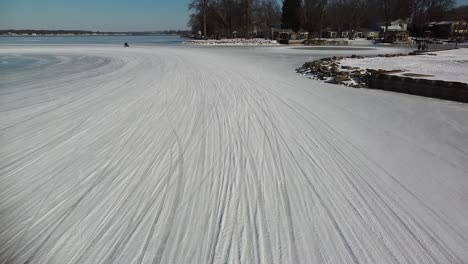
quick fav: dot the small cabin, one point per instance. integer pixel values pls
(368, 33)
(330, 34)
(288, 36)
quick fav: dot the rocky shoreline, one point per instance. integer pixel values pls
(344, 72)
(330, 70)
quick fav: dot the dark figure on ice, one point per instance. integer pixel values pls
(419, 47)
(424, 46)
(126, 44)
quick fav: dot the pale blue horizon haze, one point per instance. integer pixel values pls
(98, 15)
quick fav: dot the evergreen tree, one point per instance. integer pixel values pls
(291, 17)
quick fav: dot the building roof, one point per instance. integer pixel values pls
(398, 21)
(440, 23)
(445, 23)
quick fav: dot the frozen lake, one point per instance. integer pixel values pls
(116, 40)
(174, 154)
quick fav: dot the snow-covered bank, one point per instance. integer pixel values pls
(202, 155)
(449, 65)
(233, 42)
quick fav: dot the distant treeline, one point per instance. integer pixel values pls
(231, 18)
(86, 32)
(244, 18)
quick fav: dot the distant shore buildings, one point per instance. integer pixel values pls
(394, 32)
(447, 30)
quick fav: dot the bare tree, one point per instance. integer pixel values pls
(204, 16)
(220, 18)
(314, 15)
(199, 9)
(223, 17)
(268, 15)
(424, 11)
(350, 14)
(291, 15)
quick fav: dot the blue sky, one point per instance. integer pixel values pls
(103, 15)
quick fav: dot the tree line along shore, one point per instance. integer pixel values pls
(327, 18)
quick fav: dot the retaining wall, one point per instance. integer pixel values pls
(455, 91)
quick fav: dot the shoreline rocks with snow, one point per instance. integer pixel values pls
(330, 70)
(356, 72)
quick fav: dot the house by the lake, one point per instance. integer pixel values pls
(360, 33)
(395, 32)
(447, 29)
(397, 25)
(288, 36)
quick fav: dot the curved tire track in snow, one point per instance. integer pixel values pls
(175, 155)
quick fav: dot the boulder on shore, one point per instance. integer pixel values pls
(341, 78)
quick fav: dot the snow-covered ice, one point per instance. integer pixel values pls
(448, 65)
(222, 155)
(232, 42)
